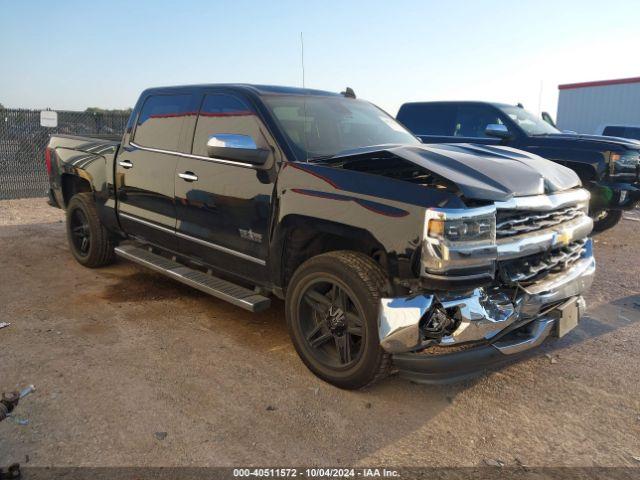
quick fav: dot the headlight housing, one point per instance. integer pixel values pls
(465, 229)
(624, 161)
(459, 242)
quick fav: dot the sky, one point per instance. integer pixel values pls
(68, 54)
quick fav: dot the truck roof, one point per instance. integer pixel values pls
(250, 88)
(468, 102)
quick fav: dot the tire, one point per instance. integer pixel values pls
(352, 357)
(606, 220)
(83, 225)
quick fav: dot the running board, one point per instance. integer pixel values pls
(222, 289)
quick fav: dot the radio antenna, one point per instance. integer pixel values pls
(540, 99)
(302, 57)
(304, 100)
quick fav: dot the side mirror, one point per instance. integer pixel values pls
(236, 147)
(547, 118)
(497, 130)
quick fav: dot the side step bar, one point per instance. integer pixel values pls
(222, 289)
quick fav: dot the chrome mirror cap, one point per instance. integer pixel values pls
(497, 130)
(231, 140)
(236, 147)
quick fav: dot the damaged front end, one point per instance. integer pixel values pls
(535, 261)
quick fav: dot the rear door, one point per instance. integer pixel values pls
(223, 206)
(145, 168)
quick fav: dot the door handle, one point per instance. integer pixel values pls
(188, 176)
(125, 164)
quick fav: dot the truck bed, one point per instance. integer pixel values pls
(84, 161)
(91, 143)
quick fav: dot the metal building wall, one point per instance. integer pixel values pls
(585, 109)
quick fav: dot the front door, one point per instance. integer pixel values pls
(145, 169)
(224, 207)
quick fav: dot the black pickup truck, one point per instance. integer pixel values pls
(608, 166)
(437, 261)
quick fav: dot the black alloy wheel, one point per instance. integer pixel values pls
(331, 323)
(332, 308)
(80, 232)
(89, 241)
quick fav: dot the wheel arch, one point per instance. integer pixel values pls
(299, 237)
(72, 184)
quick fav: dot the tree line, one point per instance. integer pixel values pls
(97, 110)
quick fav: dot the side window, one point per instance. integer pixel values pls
(160, 121)
(436, 119)
(472, 120)
(225, 114)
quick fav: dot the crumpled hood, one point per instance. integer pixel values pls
(481, 172)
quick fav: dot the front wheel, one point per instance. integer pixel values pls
(89, 241)
(332, 308)
(606, 219)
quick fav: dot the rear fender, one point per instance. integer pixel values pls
(90, 169)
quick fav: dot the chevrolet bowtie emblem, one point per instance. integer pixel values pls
(564, 237)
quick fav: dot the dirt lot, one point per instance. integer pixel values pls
(133, 369)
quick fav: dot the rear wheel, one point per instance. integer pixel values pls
(606, 219)
(332, 306)
(89, 241)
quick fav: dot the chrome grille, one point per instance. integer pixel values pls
(517, 222)
(534, 267)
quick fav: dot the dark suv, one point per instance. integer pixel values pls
(609, 167)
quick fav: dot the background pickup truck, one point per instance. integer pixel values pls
(382, 248)
(609, 167)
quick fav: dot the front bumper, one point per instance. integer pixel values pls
(487, 334)
(466, 364)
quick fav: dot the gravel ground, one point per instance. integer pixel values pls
(133, 369)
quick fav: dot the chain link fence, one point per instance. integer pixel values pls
(22, 142)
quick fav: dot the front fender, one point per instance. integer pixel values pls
(392, 212)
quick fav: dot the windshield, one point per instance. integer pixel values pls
(324, 126)
(531, 124)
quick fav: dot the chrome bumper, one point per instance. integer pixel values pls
(480, 316)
